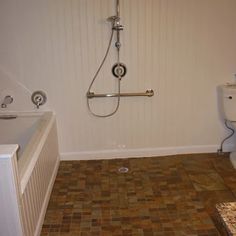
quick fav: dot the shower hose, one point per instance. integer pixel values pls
(96, 76)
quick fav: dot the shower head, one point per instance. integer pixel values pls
(113, 19)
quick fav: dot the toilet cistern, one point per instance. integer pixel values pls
(227, 100)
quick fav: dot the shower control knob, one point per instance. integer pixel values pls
(39, 98)
(119, 70)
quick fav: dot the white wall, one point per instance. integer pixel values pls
(180, 48)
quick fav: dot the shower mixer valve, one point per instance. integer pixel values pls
(39, 98)
(119, 70)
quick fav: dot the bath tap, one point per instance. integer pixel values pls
(7, 100)
(38, 98)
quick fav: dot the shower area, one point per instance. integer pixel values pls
(118, 70)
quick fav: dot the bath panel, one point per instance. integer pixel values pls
(31, 173)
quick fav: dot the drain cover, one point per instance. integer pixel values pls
(123, 169)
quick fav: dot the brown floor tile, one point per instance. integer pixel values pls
(173, 195)
(230, 180)
(223, 165)
(198, 165)
(207, 181)
(211, 198)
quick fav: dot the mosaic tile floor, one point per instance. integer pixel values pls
(159, 196)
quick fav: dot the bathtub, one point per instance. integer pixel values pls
(29, 161)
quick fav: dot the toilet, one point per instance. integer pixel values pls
(227, 107)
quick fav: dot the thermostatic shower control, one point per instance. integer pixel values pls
(39, 98)
(119, 70)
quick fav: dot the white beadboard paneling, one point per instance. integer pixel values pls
(182, 49)
(36, 194)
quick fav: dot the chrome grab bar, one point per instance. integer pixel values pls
(148, 93)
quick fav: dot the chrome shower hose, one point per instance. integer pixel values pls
(95, 77)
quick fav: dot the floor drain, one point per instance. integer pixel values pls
(123, 169)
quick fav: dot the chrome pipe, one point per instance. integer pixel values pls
(148, 93)
(118, 8)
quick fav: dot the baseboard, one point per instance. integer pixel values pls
(46, 200)
(144, 152)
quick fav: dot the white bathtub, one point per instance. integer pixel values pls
(29, 145)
